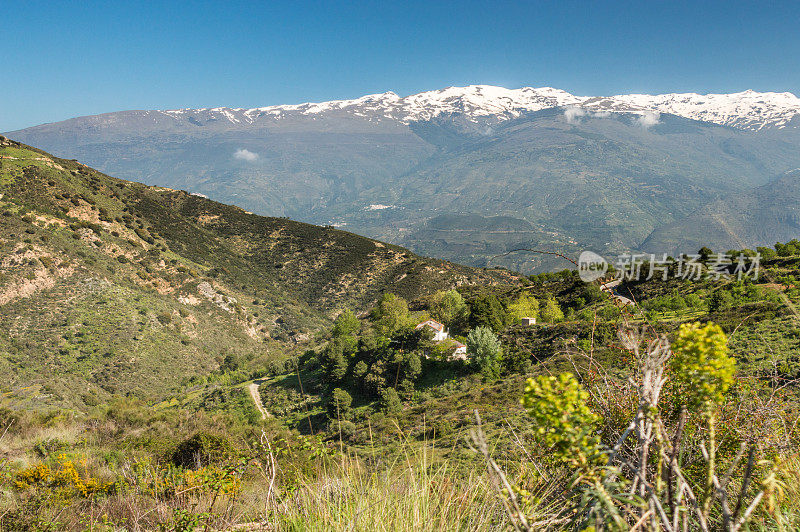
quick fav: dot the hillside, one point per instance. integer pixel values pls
(765, 214)
(598, 172)
(594, 183)
(110, 287)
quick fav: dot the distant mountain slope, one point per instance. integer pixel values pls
(113, 287)
(589, 183)
(535, 167)
(600, 172)
(297, 167)
(761, 216)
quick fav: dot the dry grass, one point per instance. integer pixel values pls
(411, 491)
(408, 495)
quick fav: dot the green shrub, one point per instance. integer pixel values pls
(203, 449)
(484, 351)
(701, 364)
(551, 312)
(448, 307)
(346, 429)
(487, 311)
(563, 420)
(526, 306)
(338, 404)
(391, 315)
(390, 401)
(346, 324)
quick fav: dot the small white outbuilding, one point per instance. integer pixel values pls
(460, 352)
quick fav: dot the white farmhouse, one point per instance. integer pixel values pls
(439, 332)
(440, 335)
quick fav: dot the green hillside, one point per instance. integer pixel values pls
(110, 287)
(174, 363)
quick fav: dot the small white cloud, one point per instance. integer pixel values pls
(572, 113)
(649, 118)
(245, 155)
(601, 114)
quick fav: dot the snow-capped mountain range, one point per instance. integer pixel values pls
(748, 110)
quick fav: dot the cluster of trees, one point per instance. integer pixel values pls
(381, 358)
(489, 311)
(726, 297)
(378, 359)
(788, 249)
(674, 302)
(737, 294)
(546, 277)
(448, 307)
(382, 354)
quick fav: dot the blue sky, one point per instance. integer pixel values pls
(65, 59)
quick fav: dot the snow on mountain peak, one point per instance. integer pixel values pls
(744, 110)
(483, 100)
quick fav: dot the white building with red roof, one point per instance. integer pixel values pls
(439, 332)
(441, 335)
(460, 352)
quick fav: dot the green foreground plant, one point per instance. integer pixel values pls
(648, 477)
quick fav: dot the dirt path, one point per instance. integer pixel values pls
(609, 288)
(253, 389)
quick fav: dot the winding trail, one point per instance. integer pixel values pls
(256, 397)
(609, 288)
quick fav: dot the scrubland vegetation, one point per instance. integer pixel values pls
(677, 413)
(597, 417)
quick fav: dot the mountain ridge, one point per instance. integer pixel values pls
(772, 109)
(747, 109)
